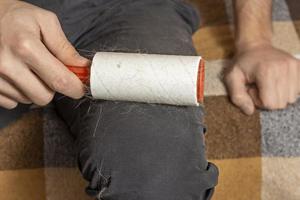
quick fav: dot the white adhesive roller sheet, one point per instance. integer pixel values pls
(151, 78)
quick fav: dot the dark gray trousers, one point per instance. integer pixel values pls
(135, 151)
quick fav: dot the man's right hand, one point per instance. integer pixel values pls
(263, 77)
(33, 55)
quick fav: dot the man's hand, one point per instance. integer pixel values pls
(33, 55)
(264, 77)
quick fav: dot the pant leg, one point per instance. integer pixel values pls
(133, 150)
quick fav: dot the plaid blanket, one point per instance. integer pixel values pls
(258, 156)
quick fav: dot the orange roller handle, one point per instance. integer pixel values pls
(83, 73)
(200, 81)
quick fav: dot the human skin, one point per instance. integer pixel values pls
(262, 76)
(33, 55)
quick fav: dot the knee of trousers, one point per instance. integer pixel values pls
(141, 151)
(142, 26)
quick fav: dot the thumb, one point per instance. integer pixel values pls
(55, 40)
(237, 89)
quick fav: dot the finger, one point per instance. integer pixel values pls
(236, 85)
(30, 85)
(7, 103)
(12, 92)
(298, 78)
(268, 92)
(253, 92)
(293, 86)
(49, 69)
(283, 93)
(56, 41)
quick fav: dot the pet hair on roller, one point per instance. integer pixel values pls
(149, 78)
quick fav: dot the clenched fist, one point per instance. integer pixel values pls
(264, 77)
(33, 55)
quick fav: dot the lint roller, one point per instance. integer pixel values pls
(149, 78)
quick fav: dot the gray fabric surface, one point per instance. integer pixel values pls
(281, 132)
(59, 146)
(281, 10)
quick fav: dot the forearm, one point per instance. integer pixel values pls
(253, 23)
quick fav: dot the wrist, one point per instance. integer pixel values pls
(246, 38)
(245, 45)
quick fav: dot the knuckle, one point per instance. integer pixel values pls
(11, 106)
(231, 75)
(274, 106)
(60, 84)
(270, 73)
(3, 67)
(265, 70)
(269, 104)
(51, 16)
(282, 105)
(293, 96)
(66, 44)
(237, 99)
(23, 99)
(23, 46)
(292, 100)
(45, 99)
